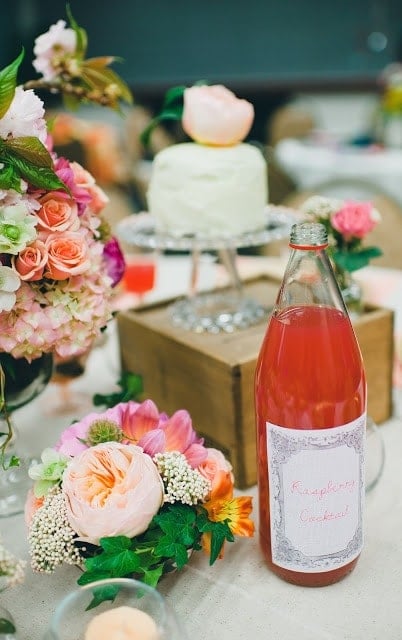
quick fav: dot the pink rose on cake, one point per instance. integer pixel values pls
(213, 115)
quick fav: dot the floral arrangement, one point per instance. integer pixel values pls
(58, 260)
(347, 223)
(209, 114)
(132, 491)
(12, 569)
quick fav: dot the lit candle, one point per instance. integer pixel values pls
(122, 623)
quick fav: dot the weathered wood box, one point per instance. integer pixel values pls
(212, 376)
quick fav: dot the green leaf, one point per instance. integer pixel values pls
(103, 593)
(167, 114)
(115, 544)
(352, 261)
(40, 177)
(101, 78)
(177, 520)
(82, 39)
(131, 386)
(10, 178)
(30, 149)
(8, 82)
(118, 564)
(92, 576)
(6, 626)
(152, 576)
(173, 95)
(220, 531)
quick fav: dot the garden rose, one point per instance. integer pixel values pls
(31, 261)
(355, 219)
(214, 115)
(57, 213)
(111, 489)
(217, 470)
(67, 255)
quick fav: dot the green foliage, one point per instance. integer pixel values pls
(352, 261)
(131, 387)
(6, 627)
(8, 82)
(173, 533)
(172, 109)
(81, 34)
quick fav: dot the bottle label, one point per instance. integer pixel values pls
(317, 492)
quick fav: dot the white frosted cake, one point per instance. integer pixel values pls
(208, 190)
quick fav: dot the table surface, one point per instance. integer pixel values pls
(238, 597)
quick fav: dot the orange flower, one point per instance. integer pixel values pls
(235, 511)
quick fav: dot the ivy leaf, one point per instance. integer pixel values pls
(115, 544)
(103, 593)
(174, 550)
(178, 522)
(131, 386)
(8, 82)
(117, 558)
(220, 531)
(92, 576)
(6, 627)
(152, 576)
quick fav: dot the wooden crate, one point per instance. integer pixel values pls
(212, 376)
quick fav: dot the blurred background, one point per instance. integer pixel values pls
(316, 71)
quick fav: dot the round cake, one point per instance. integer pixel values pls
(205, 190)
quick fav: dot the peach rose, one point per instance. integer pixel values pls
(217, 470)
(214, 115)
(68, 255)
(32, 504)
(111, 489)
(85, 180)
(31, 261)
(57, 213)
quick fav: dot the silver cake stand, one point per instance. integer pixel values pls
(218, 310)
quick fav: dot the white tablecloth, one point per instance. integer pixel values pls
(238, 598)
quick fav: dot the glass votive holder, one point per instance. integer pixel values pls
(132, 610)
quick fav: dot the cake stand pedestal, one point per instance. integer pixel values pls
(219, 310)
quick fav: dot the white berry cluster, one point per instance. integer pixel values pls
(51, 539)
(182, 482)
(11, 569)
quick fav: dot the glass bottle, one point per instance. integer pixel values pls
(310, 399)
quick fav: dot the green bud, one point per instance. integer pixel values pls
(103, 431)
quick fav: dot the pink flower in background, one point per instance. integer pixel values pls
(214, 115)
(51, 47)
(114, 260)
(111, 489)
(355, 219)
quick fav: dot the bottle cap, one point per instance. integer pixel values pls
(308, 235)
